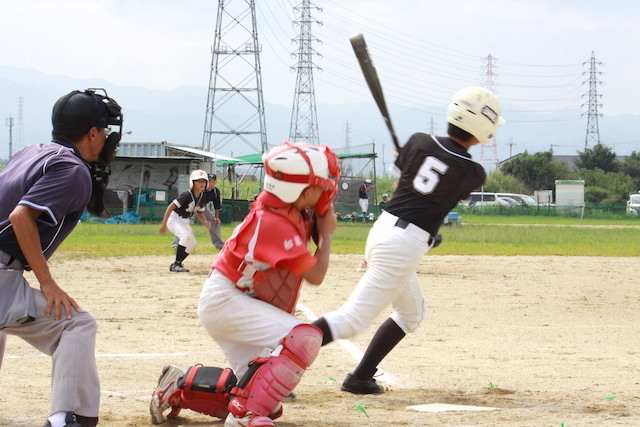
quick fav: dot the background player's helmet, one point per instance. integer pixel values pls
(476, 110)
(196, 175)
(290, 168)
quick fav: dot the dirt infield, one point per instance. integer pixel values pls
(546, 340)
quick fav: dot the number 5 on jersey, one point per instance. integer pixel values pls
(428, 176)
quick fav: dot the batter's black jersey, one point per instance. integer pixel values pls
(435, 174)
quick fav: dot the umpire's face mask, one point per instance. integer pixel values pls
(100, 169)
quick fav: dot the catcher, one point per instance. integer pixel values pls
(248, 300)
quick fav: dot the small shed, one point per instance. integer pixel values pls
(570, 195)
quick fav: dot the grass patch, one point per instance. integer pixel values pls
(474, 237)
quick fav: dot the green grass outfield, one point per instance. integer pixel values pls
(478, 235)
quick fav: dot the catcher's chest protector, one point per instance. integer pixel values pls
(205, 389)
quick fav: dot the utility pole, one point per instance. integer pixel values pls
(235, 105)
(511, 144)
(304, 117)
(594, 105)
(10, 124)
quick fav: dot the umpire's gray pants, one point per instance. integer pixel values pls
(75, 386)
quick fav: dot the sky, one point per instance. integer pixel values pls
(536, 55)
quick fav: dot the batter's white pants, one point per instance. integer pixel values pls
(75, 386)
(181, 228)
(364, 205)
(244, 327)
(392, 255)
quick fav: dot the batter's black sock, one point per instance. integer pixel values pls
(385, 339)
(181, 254)
(326, 332)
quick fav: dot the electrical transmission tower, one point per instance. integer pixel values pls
(489, 151)
(594, 105)
(304, 118)
(235, 106)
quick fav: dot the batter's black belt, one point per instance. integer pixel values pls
(403, 223)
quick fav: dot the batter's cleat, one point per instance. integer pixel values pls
(167, 384)
(178, 268)
(358, 386)
(248, 421)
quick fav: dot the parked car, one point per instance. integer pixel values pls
(487, 199)
(521, 199)
(633, 204)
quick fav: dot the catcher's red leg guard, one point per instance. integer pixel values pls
(277, 375)
(204, 390)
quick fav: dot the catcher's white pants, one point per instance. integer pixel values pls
(364, 205)
(392, 255)
(244, 327)
(181, 228)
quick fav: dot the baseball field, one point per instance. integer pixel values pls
(542, 339)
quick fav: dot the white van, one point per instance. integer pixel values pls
(633, 204)
(487, 199)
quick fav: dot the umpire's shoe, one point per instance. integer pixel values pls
(357, 386)
(72, 420)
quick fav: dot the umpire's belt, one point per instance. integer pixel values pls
(9, 262)
(402, 223)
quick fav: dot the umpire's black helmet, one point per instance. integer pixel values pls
(84, 110)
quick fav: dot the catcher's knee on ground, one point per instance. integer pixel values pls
(270, 379)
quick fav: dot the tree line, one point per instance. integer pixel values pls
(607, 180)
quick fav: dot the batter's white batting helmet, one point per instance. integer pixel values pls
(290, 168)
(196, 175)
(476, 110)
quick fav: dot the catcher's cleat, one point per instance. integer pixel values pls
(358, 386)
(248, 421)
(178, 268)
(167, 384)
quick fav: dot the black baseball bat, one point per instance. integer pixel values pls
(371, 77)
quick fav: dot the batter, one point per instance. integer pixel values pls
(434, 174)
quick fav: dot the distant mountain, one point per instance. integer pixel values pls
(177, 116)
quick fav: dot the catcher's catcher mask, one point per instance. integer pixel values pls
(274, 179)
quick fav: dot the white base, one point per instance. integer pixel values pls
(444, 407)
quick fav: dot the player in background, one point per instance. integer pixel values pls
(434, 174)
(45, 188)
(178, 215)
(363, 195)
(248, 302)
(211, 195)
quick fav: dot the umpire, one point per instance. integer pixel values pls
(45, 189)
